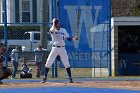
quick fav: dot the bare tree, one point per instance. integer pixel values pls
(123, 7)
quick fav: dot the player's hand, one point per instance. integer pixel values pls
(53, 26)
(53, 21)
(76, 37)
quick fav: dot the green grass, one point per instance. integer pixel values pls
(76, 72)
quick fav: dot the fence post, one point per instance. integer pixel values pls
(5, 31)
(110, 64)
(53, 15)
(44, 16)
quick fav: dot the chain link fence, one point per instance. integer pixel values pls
(27, 24)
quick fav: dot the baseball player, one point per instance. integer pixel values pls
(38, 58)
(4, 71)
(58, 35)
(14, 60)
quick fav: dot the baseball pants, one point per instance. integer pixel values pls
(61, 51)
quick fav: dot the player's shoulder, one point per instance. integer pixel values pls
(13, 49)
(36, 49)
(63, 29)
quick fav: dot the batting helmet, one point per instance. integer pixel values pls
(56, 20)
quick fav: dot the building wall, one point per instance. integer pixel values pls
(14, 14)
(115, 49)
(115, 23)
(38, 11)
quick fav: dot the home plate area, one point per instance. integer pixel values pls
(63, 86)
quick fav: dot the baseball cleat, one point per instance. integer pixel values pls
(1, 82)
(44, 80)
(71, 81)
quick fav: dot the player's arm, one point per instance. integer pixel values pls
(72, 39)
(52, 29)
(45, 49)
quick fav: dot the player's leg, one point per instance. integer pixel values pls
(45, 75)
(64, 58)
(69, 74)
(14, 71)
(38, 65)
(49, 63)
(1, 74)
(1, 82)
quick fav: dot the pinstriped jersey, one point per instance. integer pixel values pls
(59, 36)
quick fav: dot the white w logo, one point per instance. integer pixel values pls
(85, 17)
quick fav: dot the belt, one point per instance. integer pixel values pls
(57, 46)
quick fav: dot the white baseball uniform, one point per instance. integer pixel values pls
(58, 48)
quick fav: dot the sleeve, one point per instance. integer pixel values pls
(52, 29)
(12, 53)
(66, 35)
(35, 50)
(21, 68)
(45, 49)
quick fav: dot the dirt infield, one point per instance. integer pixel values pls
(132, 85)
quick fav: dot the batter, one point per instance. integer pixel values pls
(58, 35)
